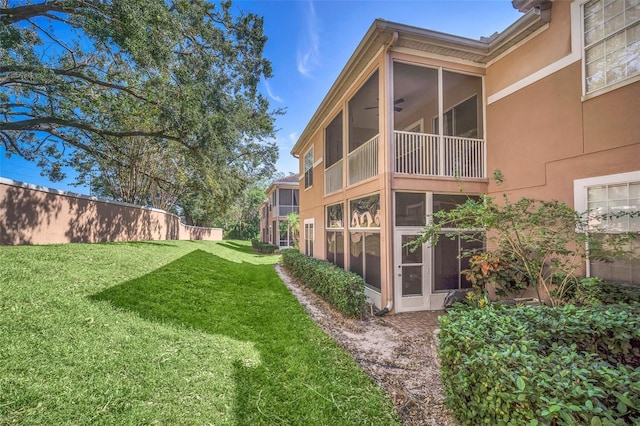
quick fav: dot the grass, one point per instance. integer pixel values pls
(167, 333)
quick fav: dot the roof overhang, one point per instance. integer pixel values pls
(382, 34)
(277, 185)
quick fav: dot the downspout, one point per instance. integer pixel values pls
(389, 176)
(392, 42)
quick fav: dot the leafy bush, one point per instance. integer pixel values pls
(594, 291)
(529, 243)
(265, 248)
(500, 269)
(540, 365)
(343, 289)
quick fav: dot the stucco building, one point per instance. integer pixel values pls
(418, 120)
(282, 200)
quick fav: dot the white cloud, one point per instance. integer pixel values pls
(308, 51)
(293, 138)
(271, 94)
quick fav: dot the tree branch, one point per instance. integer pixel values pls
(75, 74)
(12, 15)
(47, 123)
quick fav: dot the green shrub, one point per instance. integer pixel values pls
(265, 248)
(343, 289)
(595, 291)
(539, 365)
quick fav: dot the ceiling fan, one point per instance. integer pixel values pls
(395, 108)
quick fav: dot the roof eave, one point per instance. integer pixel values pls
(381, 33)
(336, 89)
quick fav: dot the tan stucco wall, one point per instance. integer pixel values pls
(30, 215)
(542, 136)
(551, 44)
(554, 136)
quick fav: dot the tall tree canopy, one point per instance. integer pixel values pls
(156, 100)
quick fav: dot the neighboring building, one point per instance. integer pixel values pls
(417, 121)
(282, 200)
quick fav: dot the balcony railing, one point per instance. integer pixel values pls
(363, 161)
(333, 178)
(431, 155)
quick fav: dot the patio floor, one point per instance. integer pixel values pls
(415, 323)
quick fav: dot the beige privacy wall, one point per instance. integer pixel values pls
(32, 214)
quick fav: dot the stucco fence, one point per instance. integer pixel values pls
(31, 214)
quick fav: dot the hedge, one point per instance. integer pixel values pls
(542, 366)
(343, 289)
(265, 248)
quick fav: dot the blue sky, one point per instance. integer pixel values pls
(310, 42)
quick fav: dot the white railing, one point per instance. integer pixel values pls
(431, 155)
(464, 157)
(333, 178)
(363, 161)
(416, 153)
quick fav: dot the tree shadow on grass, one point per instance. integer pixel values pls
(248, 302)
(203, 291)
(238, 247)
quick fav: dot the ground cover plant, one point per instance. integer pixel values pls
(534, 365)
(169, 333)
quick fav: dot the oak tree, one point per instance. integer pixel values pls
(146, 97)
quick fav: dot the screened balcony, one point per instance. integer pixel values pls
(363, 132)
(438, 122)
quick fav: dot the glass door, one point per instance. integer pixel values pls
(410, 273)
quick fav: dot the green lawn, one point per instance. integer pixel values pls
(175, 332)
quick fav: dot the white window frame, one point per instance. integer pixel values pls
(308, 242)
(580, 186)
(607, 86)
(580, 192)
(308, 167)
(418, 124)
(336, 229)
(436, 118)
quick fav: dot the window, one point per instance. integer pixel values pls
(461, 120)
(335, 234)
(604, 195)
(410, 209)
(365, 257)
(448, 262)
(363, 113)
(333, 141)
(274, 232)
(365, 239)
(285, 234)
(448, 259)
(611, 42)
(416, 127)
(365, 212)
(308, 237)
(308, 169)
(333, 155)
(288, 201)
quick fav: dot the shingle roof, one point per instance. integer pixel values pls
(293, 178)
